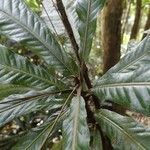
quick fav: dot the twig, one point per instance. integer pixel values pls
(68, 27)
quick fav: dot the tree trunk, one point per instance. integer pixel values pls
(135, 28)
(111, 33)
(147, 25)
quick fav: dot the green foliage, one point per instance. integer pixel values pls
(76, 134)
(60, 88)
(128, 82)
(35, 5)
(123, 131)
(87, 12)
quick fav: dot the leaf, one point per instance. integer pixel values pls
(35, 5)
(17, 70)
(128, 83)
(39, 135)
(8, 89)
(20, 24)
(75, 128)
(87, 11)
(21, 104)
(70, 7)
(123, 132)
(97, 140)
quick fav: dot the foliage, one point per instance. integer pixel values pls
(35, 5)
(61, 86)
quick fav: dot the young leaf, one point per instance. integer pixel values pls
(123, 132)
(20, 24)
(17, 70)
(128, 83)
(75, 128)
(87, 11)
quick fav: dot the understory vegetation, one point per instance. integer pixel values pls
(52, 94)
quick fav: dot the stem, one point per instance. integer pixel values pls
(68, 27)
(83, 67)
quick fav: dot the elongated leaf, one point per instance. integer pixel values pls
(8, 89)
(123, 132)
(128, 83)
(20, 104)
(17, 70)
(35, 5)
(87, 11)
(20, 24)
(75, 128)
(39, 135)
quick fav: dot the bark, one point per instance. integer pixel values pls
(111, 33)
(135, 28)
(147, 25)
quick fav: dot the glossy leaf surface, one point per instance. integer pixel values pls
(128, 83)
(9, 89)
(20, 104)
(124, 132)
(87, 11)
(39, 135)
(20, 24)
(75, 128)
(17, 70)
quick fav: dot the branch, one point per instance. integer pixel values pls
(83, 67)
(68, 27)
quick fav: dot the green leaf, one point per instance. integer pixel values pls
(70, 7)
(123, 131)
(35, 5)
(8, 89)
(39, 135)
(87, 11)
(20, 24)
(17, 70)
(97, 140)
(21, 104)
(75, 128)
(128, 83)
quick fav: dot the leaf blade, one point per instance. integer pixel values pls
(17, 70)
(17, 105)
(24, 26)
(75, 128)
(39, 135)
(87, 12)
(123, 132)
(128, 83)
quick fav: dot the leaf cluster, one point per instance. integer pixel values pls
(85, 112)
